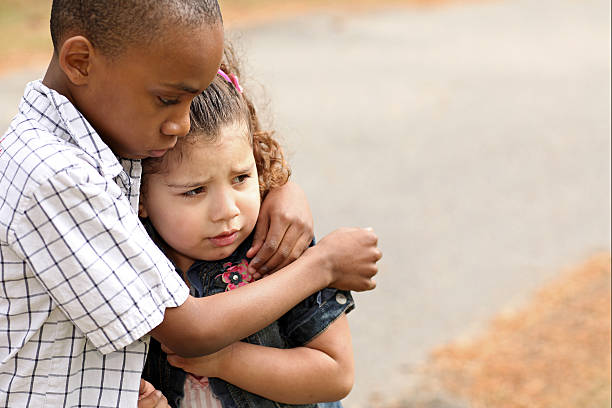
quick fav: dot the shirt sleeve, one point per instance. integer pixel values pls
(88, 249)
(313, 315)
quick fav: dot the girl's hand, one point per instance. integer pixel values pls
(284, 230)
(149, 397)
(205, 366)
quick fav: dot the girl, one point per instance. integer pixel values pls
(201, 202)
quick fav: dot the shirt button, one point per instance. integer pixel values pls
(340, 298)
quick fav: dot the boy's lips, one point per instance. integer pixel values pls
(225, 239)
(157, 153)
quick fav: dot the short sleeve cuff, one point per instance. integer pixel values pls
(138, 321)
(314, 315)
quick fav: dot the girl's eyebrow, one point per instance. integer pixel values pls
(189, 184)
(192, 184)
(243, 169)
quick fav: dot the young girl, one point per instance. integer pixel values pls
(201, 202)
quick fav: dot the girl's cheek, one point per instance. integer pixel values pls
(188, 221)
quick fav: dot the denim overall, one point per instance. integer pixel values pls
(296, 328)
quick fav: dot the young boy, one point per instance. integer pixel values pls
(81, 281)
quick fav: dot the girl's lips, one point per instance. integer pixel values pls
(224, 239)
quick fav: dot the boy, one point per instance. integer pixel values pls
(81, 281)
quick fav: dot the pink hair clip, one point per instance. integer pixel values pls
(231, 78)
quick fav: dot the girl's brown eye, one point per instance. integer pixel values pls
(241, 178)
(194, 192)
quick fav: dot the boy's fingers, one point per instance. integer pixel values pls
(300, 247)
(273, 239)
(261, 230)
(283, 252)
(302, 243)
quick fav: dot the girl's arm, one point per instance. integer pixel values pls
(320, 371)
(345, 259)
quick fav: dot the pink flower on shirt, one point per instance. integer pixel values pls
(236, 275)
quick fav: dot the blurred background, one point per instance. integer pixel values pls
(474, 137)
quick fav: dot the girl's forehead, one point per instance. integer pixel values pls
(226, 133)
(193, 146)
(236, 130)
(227, 140)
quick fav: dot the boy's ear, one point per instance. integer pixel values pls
(75, 58)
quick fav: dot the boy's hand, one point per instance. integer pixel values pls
(284, 230)
(149, 397)
(351, 254)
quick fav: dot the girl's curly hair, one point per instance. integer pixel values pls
(221, 104)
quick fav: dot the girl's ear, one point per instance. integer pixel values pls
(142, 210)
(75, 58)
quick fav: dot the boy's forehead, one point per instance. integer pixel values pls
(187, 60)
(185, 40)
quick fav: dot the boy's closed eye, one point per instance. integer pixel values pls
(168, 101)
(173, 94)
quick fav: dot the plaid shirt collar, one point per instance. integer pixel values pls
(74, 127)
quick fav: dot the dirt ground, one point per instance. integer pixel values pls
(552, 352)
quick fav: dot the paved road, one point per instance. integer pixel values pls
(474, 138)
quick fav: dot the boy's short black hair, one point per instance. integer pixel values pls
(111, 25)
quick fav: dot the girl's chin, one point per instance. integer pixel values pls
(217, 254)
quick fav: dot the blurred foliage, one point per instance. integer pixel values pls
(24, 24)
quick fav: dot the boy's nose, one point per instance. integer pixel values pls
(177, 125)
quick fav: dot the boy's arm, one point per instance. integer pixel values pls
(323, 370)
(345, 259)
(86, 250)
(284, 229)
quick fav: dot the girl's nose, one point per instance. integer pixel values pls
(178, 125)
(224, 207)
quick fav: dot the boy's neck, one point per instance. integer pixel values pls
(56, 79)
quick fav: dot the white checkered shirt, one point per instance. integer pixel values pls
(82, 283)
